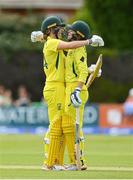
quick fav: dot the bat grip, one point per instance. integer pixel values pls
(77, 116)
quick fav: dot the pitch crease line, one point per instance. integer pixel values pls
(92, 168)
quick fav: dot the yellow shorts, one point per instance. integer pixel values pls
(54, 95)
(69, 108)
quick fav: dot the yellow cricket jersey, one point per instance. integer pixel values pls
(76, 68)
(53, 61)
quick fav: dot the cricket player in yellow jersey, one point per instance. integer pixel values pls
(54, 90)
(75, 77)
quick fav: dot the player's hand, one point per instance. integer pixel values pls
(96, 41)
(36, 36)
(99, 73)
(91, 69)
(75, 98)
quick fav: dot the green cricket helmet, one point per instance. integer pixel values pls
(49, 22)
(68, 26)
(62, 21)
(73, 35)
(82, 29)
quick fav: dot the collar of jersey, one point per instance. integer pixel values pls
(50, 38)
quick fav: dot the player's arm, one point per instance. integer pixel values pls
(73, 44)
(38, 36)
(81, 61)
(81, 64)
(80, 84)
(94, 41)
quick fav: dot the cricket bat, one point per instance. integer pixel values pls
(77, 141)
(94, 74)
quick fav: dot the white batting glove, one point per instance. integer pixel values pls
(91, 69)
(99, 73)
(75, 98)
(36, 36)
(96, 41)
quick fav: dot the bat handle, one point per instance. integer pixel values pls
(77, 116)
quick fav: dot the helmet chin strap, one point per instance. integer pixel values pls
(60, 33)
(74, 37)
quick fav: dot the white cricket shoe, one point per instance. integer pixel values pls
(74, 168)
(71, 167)
(58, 168)
(53, 168)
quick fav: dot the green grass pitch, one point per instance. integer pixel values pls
(107, 157)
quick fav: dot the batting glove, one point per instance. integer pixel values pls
(96, 41)
(92, 69)
(75, 98)
(99, 73)
(36, 36)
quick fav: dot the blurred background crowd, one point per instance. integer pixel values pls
(6, 98)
